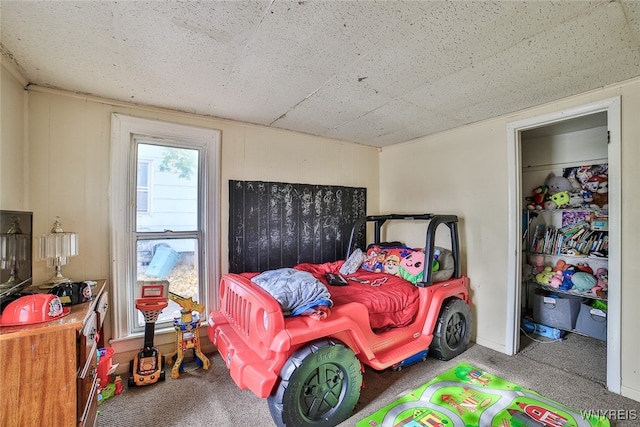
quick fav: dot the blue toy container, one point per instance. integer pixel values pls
(162, 262)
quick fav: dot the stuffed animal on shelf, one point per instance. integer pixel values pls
(583, 281)
(557, 184)
(598, 186)
(536, 261)
(576, 200)
(577, 185)
(583, 266)
(602, 285)
(556, 279)
(561, 199)
(561, 265)
(538, 197)
(587, 197)
(567, 274)
(601, 196)
(544, 277)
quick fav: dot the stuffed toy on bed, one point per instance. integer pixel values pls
(412, 267)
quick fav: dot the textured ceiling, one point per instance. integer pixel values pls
(375, 73)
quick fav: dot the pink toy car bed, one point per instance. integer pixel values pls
(310, 370)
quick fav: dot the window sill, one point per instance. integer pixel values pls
(135, 342)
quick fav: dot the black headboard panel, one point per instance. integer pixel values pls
(276, 224)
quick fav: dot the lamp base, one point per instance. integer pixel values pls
(54, 281)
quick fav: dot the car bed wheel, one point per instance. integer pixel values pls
(320, 385)
(453, 331)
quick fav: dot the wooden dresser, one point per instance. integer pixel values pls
(49, 370)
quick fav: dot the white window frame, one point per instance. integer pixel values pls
(123, 130)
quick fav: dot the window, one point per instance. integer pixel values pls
(142, 191)
(164, 214)
(167, 241)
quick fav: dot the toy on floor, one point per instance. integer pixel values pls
(187, 334)
(146, 367)
(110, 390)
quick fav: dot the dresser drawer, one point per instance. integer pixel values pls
(101, 307)
(87, 361)
(88, 344)
(89, 416)
(87, 383)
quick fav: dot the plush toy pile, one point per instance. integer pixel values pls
(579, 277)
(583, 187)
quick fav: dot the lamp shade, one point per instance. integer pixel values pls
(58, 245)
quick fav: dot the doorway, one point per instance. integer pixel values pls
(515, 130)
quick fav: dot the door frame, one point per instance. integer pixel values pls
(514, 289)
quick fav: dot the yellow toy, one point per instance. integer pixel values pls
(187, 334)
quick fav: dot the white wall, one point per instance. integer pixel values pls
(13, 151)
(464, 172)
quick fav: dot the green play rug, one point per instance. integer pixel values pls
(465, 396)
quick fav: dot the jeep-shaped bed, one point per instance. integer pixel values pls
(311, 371)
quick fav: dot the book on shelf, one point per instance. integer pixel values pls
(578, 239)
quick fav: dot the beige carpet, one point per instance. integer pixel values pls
(210, 398)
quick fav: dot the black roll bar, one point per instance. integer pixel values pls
(435, 220)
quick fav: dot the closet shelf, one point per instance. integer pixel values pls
(589, 258)
(569, 292)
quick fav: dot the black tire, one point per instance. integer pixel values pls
(319, 386)
(452, 333)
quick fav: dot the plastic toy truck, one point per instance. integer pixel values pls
(311, 371)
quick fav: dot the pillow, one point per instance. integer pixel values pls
(353, 263)
(446, 261)
(385, 259)
(412, 267)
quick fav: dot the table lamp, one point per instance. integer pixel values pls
(56, 247)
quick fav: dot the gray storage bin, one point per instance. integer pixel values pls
(557, 311)
(592, 322)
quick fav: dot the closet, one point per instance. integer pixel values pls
(565, 237)
(584, 135)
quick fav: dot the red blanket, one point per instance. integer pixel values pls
(391, 300)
